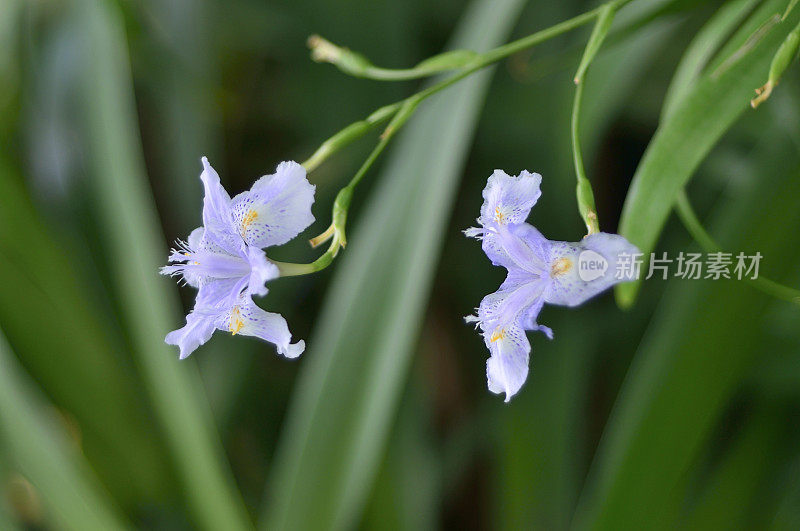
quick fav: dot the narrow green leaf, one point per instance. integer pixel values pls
(704, 45)
(683, 141)
(537, 484)
(185, 111)
(8, 519)
(135, 249)
(359, 354)
(44, 309)
(787, 514)
(728, 495)
(42, 453)
(699, 348)
(407, 491)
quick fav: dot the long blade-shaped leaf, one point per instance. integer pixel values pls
(359, 355)
(728, 498)
(703, 47)
(700, 347)
(135, 250)
(43, 454)
(43, 310)
(690, 131)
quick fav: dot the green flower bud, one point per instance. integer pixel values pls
(586, 206)
(780, 62)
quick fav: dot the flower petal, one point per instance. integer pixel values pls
(217, 217)
(201, 260)
(517, 247)
(508, 200)
(261, 271)
(249, 319)
(579, 271)
(219, 295)
(512, 303)
(195, 239)
(276, 209)
(507, 368)
(201, 321)
(198, 329)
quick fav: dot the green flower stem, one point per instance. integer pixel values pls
(341, 204)
(478, 62)
(583, 190)
(401, 111)
(693, 226)
(350, 133)
(599, 33)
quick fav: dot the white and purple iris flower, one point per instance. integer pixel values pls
(539, 271)
(225, 261)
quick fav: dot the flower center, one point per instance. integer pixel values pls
(499, 215)
(560, 267)
(498, 334)
(235, 323)
(247, 220)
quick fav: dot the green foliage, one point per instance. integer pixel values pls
(133, 247)
(687, 135)
(674, 415)
(44, 453)
(358, 357)
(87, 377)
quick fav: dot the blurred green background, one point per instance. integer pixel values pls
(680, 412)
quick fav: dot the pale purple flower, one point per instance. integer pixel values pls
(224, 258)
(539, 271)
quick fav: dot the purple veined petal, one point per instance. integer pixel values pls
(528, 318)
(198, 329)
(217, 214)
(521, 247)
(214, 301)
(507, 368)
(261, 271)
(536, 250)
(516, 247)
(218, 296)
(508, 200)
(201, 322)
(510, 304)
(276, 209)
(582, 270)
(247, 318)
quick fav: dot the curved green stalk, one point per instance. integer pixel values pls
(350, 133)
(402, 110)
(692, 223)
(355, 64)
(583, 191)
(341, 205)
(478, 62)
